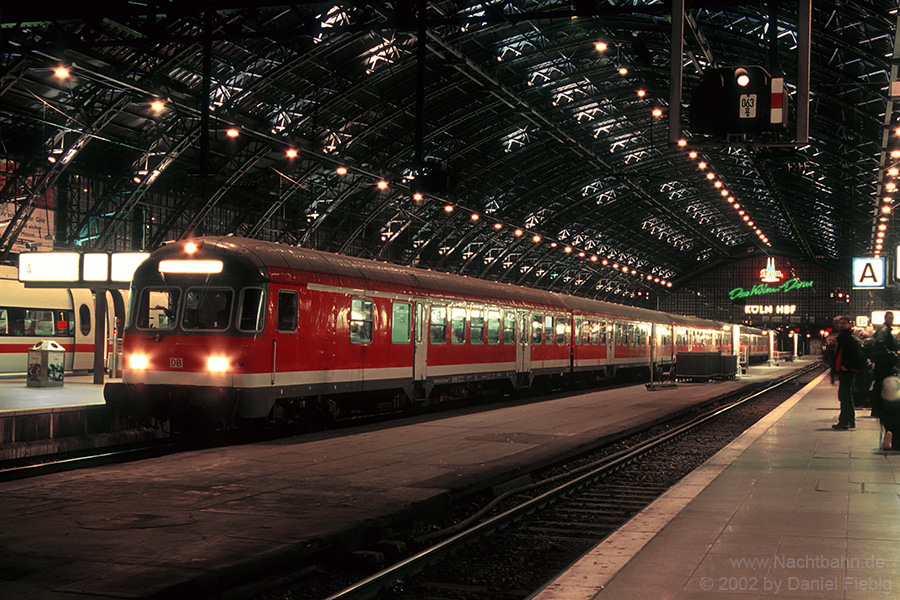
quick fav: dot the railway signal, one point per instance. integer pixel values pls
(738, 100)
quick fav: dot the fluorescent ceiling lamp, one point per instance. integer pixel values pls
(49, 266)
(125, 263)
(96, 267)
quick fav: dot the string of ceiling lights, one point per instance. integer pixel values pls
(158, 107)
(717, 183)
(522, 232)
(890, 154)
(886, 203)
(519, 232)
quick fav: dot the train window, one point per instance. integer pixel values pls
(476, 326)
(561, 326)
(288, 307)
(548, 330)
(207, 308)
(438, 328)
(252, 310)
(42, 321)
(537, 329)
(157, 308)
(400, 322)
(458, 325)
(618, 328)
(4, 321)
(362, 317)
(579, 327)
(509, 327)
(420, 310)
(493, 328)
(84, 315)
(65, 323)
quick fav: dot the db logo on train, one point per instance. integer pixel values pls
(175, 363)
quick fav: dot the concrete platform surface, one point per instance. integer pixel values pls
(791, 509)
(193, 525)
(76, 390)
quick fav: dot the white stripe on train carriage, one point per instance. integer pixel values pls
(333, 376)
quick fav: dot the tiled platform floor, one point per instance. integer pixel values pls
(792, 509)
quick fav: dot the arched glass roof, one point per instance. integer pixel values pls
(542, 161)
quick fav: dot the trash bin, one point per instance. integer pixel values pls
(46, 360)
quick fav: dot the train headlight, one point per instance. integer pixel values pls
(138, 362)
(217, 364)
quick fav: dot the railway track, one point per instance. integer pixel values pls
(45, 464)
(511, 545)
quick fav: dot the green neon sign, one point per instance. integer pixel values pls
(764, 288)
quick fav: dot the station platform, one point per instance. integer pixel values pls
(198, 524)
(36, 421)
(76, 390)
(791, 509)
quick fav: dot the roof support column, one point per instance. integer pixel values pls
(675, 69)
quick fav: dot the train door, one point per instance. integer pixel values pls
(613, 330)
(523, 351)
(83, 343)
(287, 311)
(420, 342)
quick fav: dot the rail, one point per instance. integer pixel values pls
(371, 585)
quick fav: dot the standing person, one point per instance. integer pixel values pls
(884, 349)
(890, 415)
(848, 360)
(828, 352)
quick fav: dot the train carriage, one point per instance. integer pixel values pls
(31, 315)
(224, 327)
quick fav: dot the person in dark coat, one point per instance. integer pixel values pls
(884, 356)
(830, 348)
(890, 416)
(848, 360)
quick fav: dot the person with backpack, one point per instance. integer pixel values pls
(848, 361)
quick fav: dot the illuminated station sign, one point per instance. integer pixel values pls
(772, 280)
(75, 268)
(868, 273)
(770, 309)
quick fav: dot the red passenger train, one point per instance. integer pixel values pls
(225, 328)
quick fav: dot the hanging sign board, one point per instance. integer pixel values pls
(868, 273)
(73, 269)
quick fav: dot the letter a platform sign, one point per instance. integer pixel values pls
(868, 273)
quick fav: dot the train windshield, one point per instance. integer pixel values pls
(207, 308)
(157, 308)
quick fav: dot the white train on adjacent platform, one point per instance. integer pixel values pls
(31, 315)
